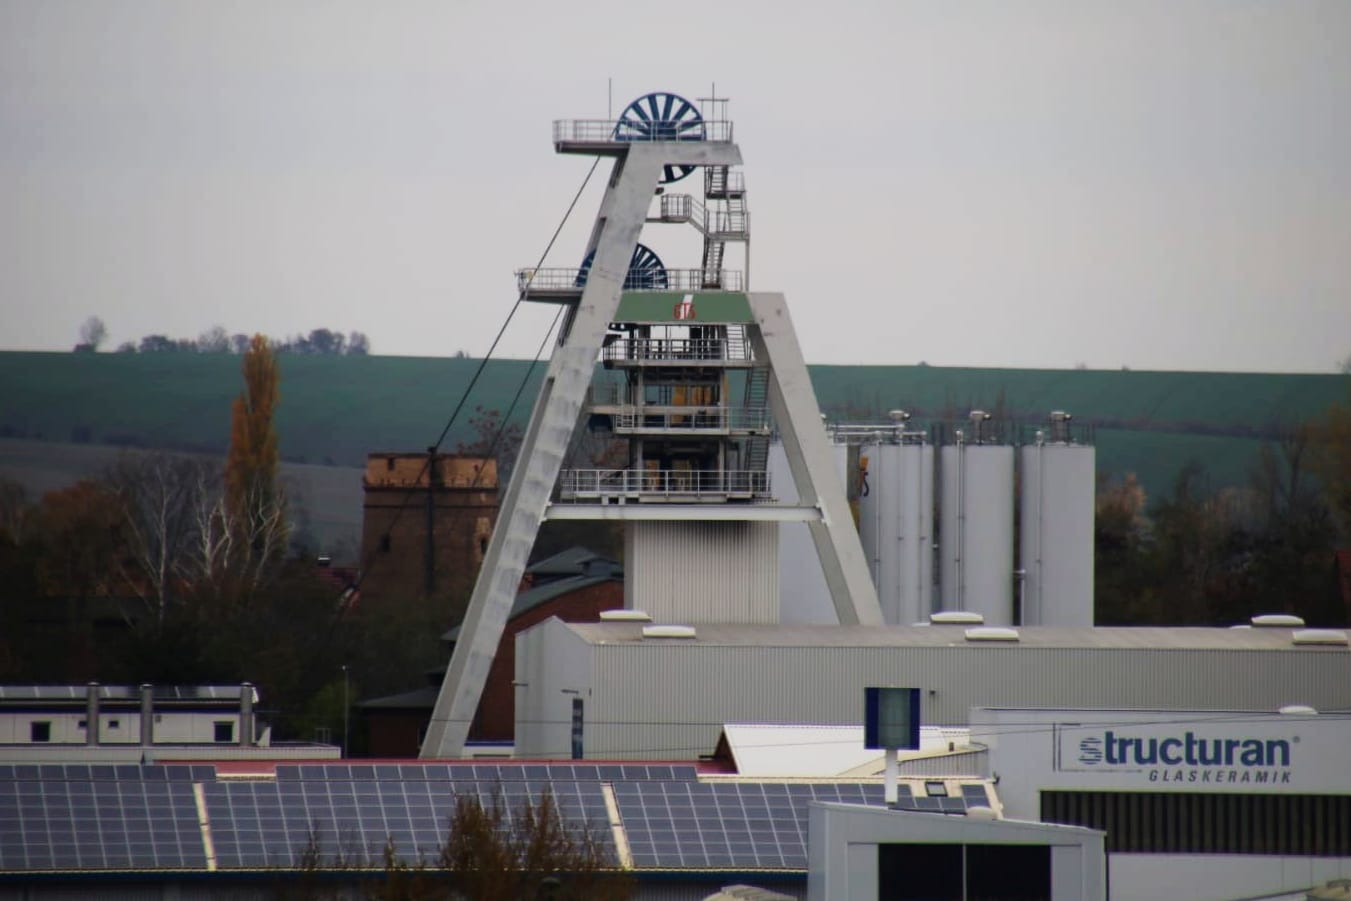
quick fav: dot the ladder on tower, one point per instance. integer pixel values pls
(713, 254)
(756, 402)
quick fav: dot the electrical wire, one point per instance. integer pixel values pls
(478, 372)
(368, 561)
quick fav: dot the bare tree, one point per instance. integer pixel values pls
(157, 494)
(209, 558)
(493, 852)
(213, 341)
(92, 333)
(14, 510)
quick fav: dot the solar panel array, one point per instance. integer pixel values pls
(101, 817)
(742, 825)
(350, 821)
(83, 817)
(491, 772)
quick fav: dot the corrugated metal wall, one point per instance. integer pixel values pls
(670, 700)
(703, 572)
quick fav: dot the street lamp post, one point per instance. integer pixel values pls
(345, 708)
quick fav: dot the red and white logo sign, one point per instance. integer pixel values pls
(685, 309)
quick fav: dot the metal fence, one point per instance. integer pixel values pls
(572, 281)
(607, 131)
(684, 350)
(584, 484)
(742, 419)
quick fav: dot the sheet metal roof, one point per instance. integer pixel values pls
(814, 750)
(793, 636)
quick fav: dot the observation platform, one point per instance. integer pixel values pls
(675, 420)
(662, 486)
(629, 353)
(613, 137)
(567, 284)
(620, 510)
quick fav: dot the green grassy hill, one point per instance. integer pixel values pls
(334, 410)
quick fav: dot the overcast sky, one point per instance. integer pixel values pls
(1161, 185)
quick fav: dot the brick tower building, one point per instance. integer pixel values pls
(426, 523)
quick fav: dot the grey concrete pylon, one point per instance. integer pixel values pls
(624, 208)
(792, 402)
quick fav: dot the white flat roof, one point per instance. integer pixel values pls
(1147, 638)
(811, 750)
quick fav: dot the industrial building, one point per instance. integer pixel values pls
(770, 585)
(426, 519)
(139, 724)
(648, 695)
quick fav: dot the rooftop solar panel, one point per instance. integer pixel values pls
(275, 824)
(678, 825)
(111, 817)
(65, 824)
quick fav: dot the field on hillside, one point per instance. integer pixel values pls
(335, 410)
(326, 500)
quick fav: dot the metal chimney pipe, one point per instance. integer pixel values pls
(147, 714)
(91, 714)
(246, 715)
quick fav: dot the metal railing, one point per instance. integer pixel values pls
(608, 131)
(645, 419)
(875, 433)
(583, 484)
(682, 350)
(728, 224)
(677, 207)
(555, 281)
(720, 180)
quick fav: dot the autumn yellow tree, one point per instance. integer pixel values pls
(255, 504)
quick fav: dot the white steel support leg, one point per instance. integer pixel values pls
(792, 402)
(619, 222)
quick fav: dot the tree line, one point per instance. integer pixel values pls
(216, 340)
(179, 570)
(1198, 556)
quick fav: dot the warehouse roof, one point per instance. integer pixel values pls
(786, 636)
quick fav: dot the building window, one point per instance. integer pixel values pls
(1208, 823)
(114, 724)
(384, 543)
(225, 731)
(923, 872)
(40, 731)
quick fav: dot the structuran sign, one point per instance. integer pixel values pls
(1173, 752)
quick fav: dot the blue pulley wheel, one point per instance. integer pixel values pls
(646, 272)
(660, 116)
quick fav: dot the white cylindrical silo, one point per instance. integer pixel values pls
(1056, 533)
(896, 527)
(976, 530)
